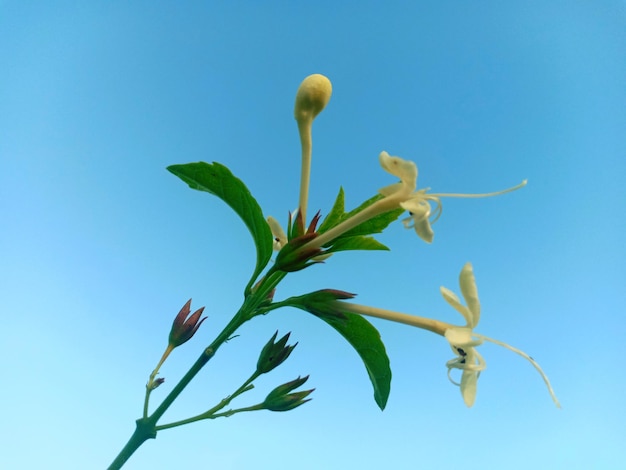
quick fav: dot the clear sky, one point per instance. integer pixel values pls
(100, 246)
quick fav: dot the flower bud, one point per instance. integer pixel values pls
(292, 257)
(280, 399)
(154, 384)
(274, 354)
(312, 97)
(184, 328)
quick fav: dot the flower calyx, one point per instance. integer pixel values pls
(294, 255)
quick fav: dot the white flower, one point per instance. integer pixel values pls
(464, 340)
(468, 360)
(460, 338)
(417, 203)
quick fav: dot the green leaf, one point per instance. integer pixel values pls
(360, 333)
(375, 224)
(353, 239)
(335, 215)
(365, 339)
(356, 243)
(218, 180)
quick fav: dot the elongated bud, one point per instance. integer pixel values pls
(312, 97)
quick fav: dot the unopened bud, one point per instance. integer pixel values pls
(280, 399)
(312, 97)
(153, 384)
(184, 328)
(274, 353)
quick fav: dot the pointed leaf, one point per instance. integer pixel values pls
(374, 225)
(335, 215)
(218, 180)
(360, 333)
(365, 339)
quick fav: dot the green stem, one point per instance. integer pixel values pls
(146, 427)
(228, 413)
(143, 432)
(211, 413)
(149, 387)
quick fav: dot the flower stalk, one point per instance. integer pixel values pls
(312, 97)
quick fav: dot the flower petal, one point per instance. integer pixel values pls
(391, 189)
(470, 294)
(280, 239)
(461, 337)
(421, 226)
(453, 300)
(417, 206)
(469, 383)
(419, 211)
(403, 169)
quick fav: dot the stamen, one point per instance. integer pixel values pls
(438, 210)
(451, 379)
(529, 359)
(497, 193)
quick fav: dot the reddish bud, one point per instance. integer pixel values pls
(184, 328)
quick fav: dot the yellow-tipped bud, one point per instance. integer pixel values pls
(312, 97)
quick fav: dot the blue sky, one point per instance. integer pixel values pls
(100, 246)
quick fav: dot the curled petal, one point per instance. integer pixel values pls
(470, 294)
(404, 169)
(417, 206)
(419, 213)
(471, 363)
(419, 210)
(422, 228)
